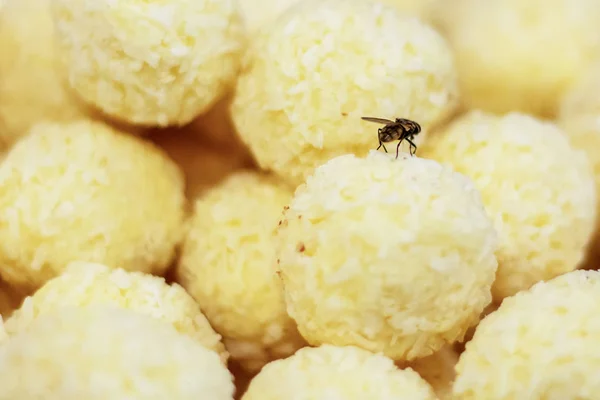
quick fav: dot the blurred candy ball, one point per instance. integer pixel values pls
(515, 55)
(31, 85)
(101, 352)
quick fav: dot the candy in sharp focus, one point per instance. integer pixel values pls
(537, 188)
(84, 191)
(395, 256)
(310, 75)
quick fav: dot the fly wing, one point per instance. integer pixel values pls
(378, 120)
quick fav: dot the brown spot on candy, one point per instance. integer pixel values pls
(286, 208)
(300, 247)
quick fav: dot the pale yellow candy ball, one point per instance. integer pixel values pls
(538, 189)
(392, 255)
(228, 264)
(330, 372)
(312, 73)
(83, 191)
(540, 344)
(150, 62)
(83, 284)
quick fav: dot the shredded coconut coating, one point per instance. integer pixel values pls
(101, 352)
(438, 370)
(539, 191)
(159, 62)
(389, 255)
(82, 191)
(515, 55)
(311, 75)
(539, 344)
(228, 265)
(84, 284)
(31, 86)
(330, 372)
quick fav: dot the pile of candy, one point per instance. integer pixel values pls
(195, 202)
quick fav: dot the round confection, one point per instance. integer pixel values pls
(537, 188)
(101, 352)
(539, 344)
(392, 255)
(82, 191)
(84, 284)
(151, 62)
(313, 72)
(515, 55)
(329, 372)
(31, 86)
(228, 265)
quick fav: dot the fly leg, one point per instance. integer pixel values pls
(381, 145)
(380, 142)
(398, 147)
(413, 147)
